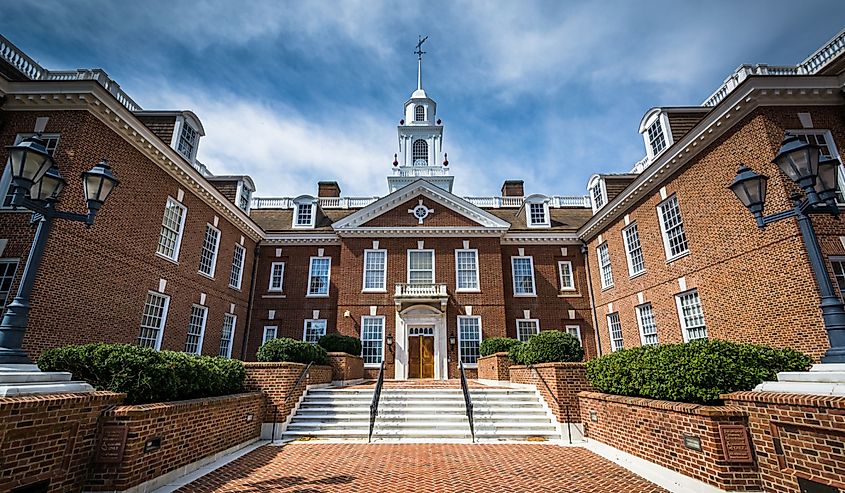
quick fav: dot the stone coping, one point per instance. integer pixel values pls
(340, 354)
(178, 406)
(679, 407)
(279, 364)
(500, 353)
(23, 400)
(806, 400)
(559, 364)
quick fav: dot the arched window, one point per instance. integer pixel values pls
(419, 113)
(420, 152)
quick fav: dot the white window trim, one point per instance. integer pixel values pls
(480, 338)
(536, 324)
(433, 264)
(828, 137)
(601, 267)
(597, 180)
(177, 135)
(264, 335)
(312, 320)
(176, 248)
(664, 127)
(529, 222)
(638, 310)
(364, 288)
(628, 256)
(310, 225)
(560, 275)
(165, 310)
(613, 346)
(231, 336)
(241, 186)
(281, 286)
(477, 288)
(533, 293)
(241, 270)
(684, 328)
(667, 249)
(328, 278)
(383, 339)
(577, 331)
(202, 328)
(216, 252)
(16, 263)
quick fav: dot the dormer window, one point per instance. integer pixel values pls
(598, 193)
(537, 211)
(654, 127)
(656, 139)
(537, 214)
(244, 196)
(598, 196)
(187, 145)
(419, 113)
(420, 153)
(303, 215)
(304, 212)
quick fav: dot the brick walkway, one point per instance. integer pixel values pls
(312, 468)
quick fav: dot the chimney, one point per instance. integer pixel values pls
(513, 188)
(328, 189)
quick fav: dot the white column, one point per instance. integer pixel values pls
(400, 345)
(441, 349)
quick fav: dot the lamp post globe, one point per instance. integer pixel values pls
(28, 161)
(750, 188)
(49, 186)
(99, 183)
(799, 161)
(826, 184)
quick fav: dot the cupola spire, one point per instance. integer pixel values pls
(419, 52)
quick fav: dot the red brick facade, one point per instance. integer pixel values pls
(494, 367)
(558, 383)
(276, 383)
(346, 367)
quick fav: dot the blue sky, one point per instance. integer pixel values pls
(295, 92)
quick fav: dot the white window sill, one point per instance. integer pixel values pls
(676, 257)
(605, 288)
(273, 296)
(236, 288)
(525, 295)
(569, 294)
(539, 226)
(467, 290)
(165, 257)
(203, 274)
(374, 291)
(275, 291)
(636, 275)
(375, 366)
(317, 295)
(470, 366)
(303, 226)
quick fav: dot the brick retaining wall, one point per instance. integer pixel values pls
(276, 381)
(565, 380)
(655, 431)
(346, 367)
(188, 431)
(494, 367)
(795, 436)
(50, 438)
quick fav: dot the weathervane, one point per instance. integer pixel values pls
(419, 52)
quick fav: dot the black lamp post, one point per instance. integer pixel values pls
(37, 184)
(800, 162)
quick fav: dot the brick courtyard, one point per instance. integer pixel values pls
(314, 467)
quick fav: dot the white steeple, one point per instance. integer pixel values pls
(420, 140)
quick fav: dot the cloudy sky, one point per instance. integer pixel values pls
(295, 92)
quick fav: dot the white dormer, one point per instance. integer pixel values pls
(243, 199)
(304, 212)
(654, 128)
(186, 135)
(537, 211)
(598, 192)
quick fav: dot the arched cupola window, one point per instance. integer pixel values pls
(420, 152)
(419, 113)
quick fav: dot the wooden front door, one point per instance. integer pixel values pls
(420, 357)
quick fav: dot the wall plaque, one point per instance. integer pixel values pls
(735, 444)
(112, 443)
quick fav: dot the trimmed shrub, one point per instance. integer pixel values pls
(549, 346)
(291, 350)
(495, 345)
(336, 343)
(147, 375)
(695, 372)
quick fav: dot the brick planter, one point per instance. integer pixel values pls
(165, 437)
(346, 367)
(50, 438)
(565, 381)
(494, 367)
(662, 432)
(276, 380)
(796, 437)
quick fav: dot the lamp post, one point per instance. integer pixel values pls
(37, 184)
(800, 161)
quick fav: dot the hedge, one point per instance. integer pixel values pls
(144, 374)
(336, 343)
(292, 350)
(695, 372)
(547, 347)
(495, 345)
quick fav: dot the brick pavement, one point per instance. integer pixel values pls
(360, 468)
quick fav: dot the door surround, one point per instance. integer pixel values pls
(421, 315)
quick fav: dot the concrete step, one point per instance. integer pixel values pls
(446, 428)
(420, 433)
(812, 376)
(425, 397)
(438, 421)
(813, 388)
(416, 403)
(433, 414)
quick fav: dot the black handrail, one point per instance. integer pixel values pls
(467, 400)
(559, 405)
(287, 398)
(374, 403)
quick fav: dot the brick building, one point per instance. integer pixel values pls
(663, 253)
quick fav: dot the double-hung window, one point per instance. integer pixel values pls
(172, 227)
(537, 214)
(466, 270)
(153, 319)
(523, 276)
(469, 339)
(372, 340)
(375, 270)
(605, 271)
(645, 320)
(8, 268)
(527, 328)
(633, 249)
(598, 196)
(277, 277)
(187, 141)
(838, 264)
(656, 138)
(314, 330)
(567, 278)
(319, 274)
(304, 215)
(244, 197)
(420, 266)
(208, 254)
(614, 326)
(196, 329)
(237, 274)
(228, 335)
(672, 227)
(691, 315)
(270, 333)
(574, 330)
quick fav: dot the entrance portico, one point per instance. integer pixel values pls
(421, 328)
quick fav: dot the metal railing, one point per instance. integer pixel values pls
(555, 202)
(559, 405)
(287, 398)
(467, 401)
(374, 403)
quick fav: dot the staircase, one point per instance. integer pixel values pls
(423, 414)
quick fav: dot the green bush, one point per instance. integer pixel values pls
(547, 347)
(336, 343)
(285, 349)
(495, 345)
(147, 375)
(695, 372)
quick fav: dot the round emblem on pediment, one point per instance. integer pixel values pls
(420, 211)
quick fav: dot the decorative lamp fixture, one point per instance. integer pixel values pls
(451, 340)
(750, 188)
(49, 186)
(800, 162)
(389, 341)
(826, 184)
(29, 161)
(99, 183)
